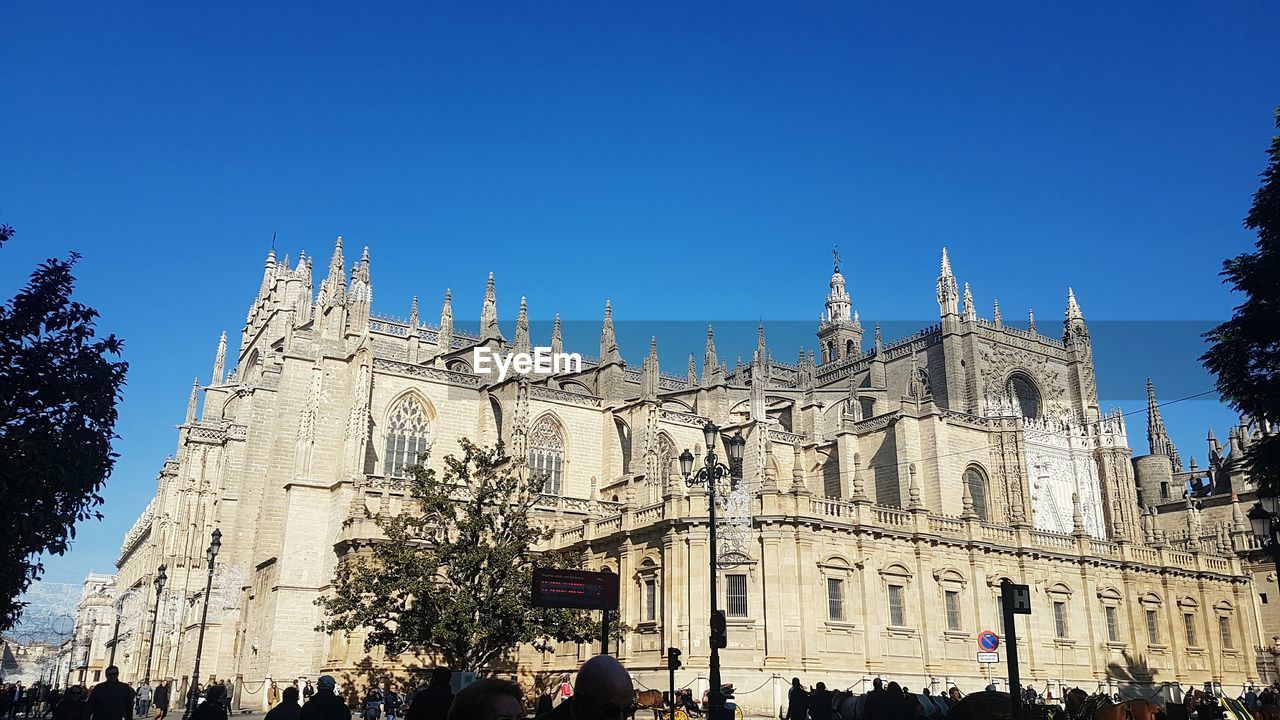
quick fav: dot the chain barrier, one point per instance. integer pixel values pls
(245, 687)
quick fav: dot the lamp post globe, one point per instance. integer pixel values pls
(1260, 521)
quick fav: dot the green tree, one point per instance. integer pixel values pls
(1245, 351)
(58, 391)
(453, 577)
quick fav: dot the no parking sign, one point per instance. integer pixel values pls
(988, 641)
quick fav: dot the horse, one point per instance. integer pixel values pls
(848, 706)
(1083, 706)
(650, 700)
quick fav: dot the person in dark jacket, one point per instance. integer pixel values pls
(73, 705)
(160, 699)
(325, 704)
(288, 709)
(433, 703)
(214, 706)
(797, 701)
(391, 703)
(111, 699)
(820, 703)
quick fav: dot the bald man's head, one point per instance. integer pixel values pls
(603, 690)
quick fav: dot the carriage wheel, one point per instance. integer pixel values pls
(737, 712)
(681, 714)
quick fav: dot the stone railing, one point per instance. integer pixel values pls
(784, 437)
(1053, 541)
(650, 514)
(427, 372)
(548, 393)
(682, 418)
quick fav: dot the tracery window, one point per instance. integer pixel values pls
(408, 436)
(977, 484)
(1025, 394)
(546, 453)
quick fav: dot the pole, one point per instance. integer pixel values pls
(151, 644)
(115, 637)
(671, 671)
(1011, 652)
(193, 693)
(604, 631)
(715, 698)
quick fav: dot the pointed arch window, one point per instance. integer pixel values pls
(977, 484)
(408, 436)
(546, 453)
(1023, 392)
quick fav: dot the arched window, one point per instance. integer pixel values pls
(1025, 394)
(977, 484)
(848, 348)
(546, 453)
(408, 436)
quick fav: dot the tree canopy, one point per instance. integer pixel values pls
(1245, 351)
(59, 384)
(453, 577)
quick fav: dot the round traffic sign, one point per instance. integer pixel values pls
(988, 641)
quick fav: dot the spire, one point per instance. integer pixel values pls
(608, 343)
(709, 361)
(413, 316)
(489, 313)
(692, 375)
(360, 294)
(444, 342)
(879, 340)
(649, 372)
(854, 400)
(996, 318)
(967, 310)
(797, 470)
(1073, 308)
(804, 371)
(1077, 516)
(947, 292)
(1157, 436)
(191, 402)
(220, 361)
(1031, 321)
(914, 501)
(557, 340)
(522, 343)
(333, 289)
(967, 511)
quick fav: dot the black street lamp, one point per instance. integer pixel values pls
(1264, 517)
(193, 695)
(711, 472)
(161, 577)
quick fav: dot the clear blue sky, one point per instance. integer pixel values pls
(691, 163)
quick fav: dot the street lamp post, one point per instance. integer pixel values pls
(161, 577)
(1264, 517)
(711, 472)
(193, 695)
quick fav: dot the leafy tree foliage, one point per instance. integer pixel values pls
(453, 577)
(1245, 353)
(58, 392)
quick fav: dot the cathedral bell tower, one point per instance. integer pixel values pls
(839, 331)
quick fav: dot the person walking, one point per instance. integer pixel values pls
(288, 709)
(391, 703)
(797, 701)
(144, 699)
(307, 691)
(160, 700)
(111, 699)
(372, 708)
(214, 706)
(433, 702)
(73, 705)
(325, 704)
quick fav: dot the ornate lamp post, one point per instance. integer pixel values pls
(1264, 518)
(161, 577)
(709, 474)
(193, 695)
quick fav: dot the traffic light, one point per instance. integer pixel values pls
(719, 630)
(673, 659)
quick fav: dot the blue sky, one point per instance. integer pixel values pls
(693, 163)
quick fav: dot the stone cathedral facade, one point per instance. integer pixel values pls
(888, 487)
